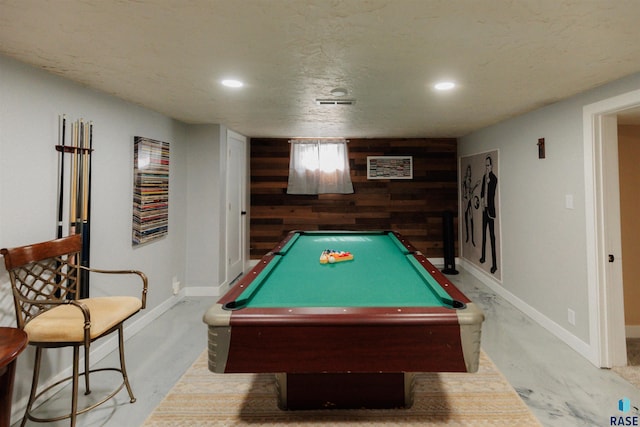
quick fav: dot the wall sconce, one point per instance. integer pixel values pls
(541, 153)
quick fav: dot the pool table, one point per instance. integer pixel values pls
(344, 334)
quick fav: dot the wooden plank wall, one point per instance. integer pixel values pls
(412, 207)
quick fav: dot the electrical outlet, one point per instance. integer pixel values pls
(571, 316)
(176, 285)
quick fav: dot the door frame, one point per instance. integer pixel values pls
(604, 279)
(230, 136)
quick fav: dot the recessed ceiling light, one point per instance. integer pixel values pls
(444, 85)
(232, 83)
(339, 92)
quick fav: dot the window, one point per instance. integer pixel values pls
(318, 166)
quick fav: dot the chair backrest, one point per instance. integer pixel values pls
(42, 273)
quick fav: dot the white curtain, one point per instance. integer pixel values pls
(318, 166)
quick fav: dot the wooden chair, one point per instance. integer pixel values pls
(45, 281)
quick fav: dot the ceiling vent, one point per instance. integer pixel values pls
(335, 101)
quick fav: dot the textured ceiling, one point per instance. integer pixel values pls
(508, 57)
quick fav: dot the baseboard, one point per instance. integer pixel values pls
(99, 351)
(583, 348)
(632, 331)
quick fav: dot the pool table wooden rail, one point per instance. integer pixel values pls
(240, 342)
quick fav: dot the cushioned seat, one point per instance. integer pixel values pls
(65, 323)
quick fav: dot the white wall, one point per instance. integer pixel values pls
(544, 255)
(30, 103)
(204, 207)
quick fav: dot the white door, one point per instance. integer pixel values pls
(612, 242)
(236, 209)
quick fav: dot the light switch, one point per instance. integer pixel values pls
(568, 201)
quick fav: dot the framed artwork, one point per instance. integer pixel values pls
(389, 167)
(480, 230)
(150, 190)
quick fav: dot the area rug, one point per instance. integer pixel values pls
(631, 372)
(201, 398)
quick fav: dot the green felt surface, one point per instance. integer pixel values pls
(380, 275)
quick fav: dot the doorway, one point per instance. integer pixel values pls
(629, 159)
(236, 211)
(604, 248)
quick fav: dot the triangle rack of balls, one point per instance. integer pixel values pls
(330, 256)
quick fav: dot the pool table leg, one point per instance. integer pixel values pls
(344, 390)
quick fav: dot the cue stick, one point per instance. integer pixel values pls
(61, 138)
(73, 181)
(85, 172)
(73, 193)
(78, 200)
(84, 282)
(88, 237)
(79, 153)
(62, 121)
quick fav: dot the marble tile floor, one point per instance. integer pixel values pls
(561, 387)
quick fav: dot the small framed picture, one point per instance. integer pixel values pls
(389, 167)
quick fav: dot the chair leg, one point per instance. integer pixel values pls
(34, 385)
(87, 389)
(74, 395)
(122, 364)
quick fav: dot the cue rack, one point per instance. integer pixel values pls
(78, 152)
